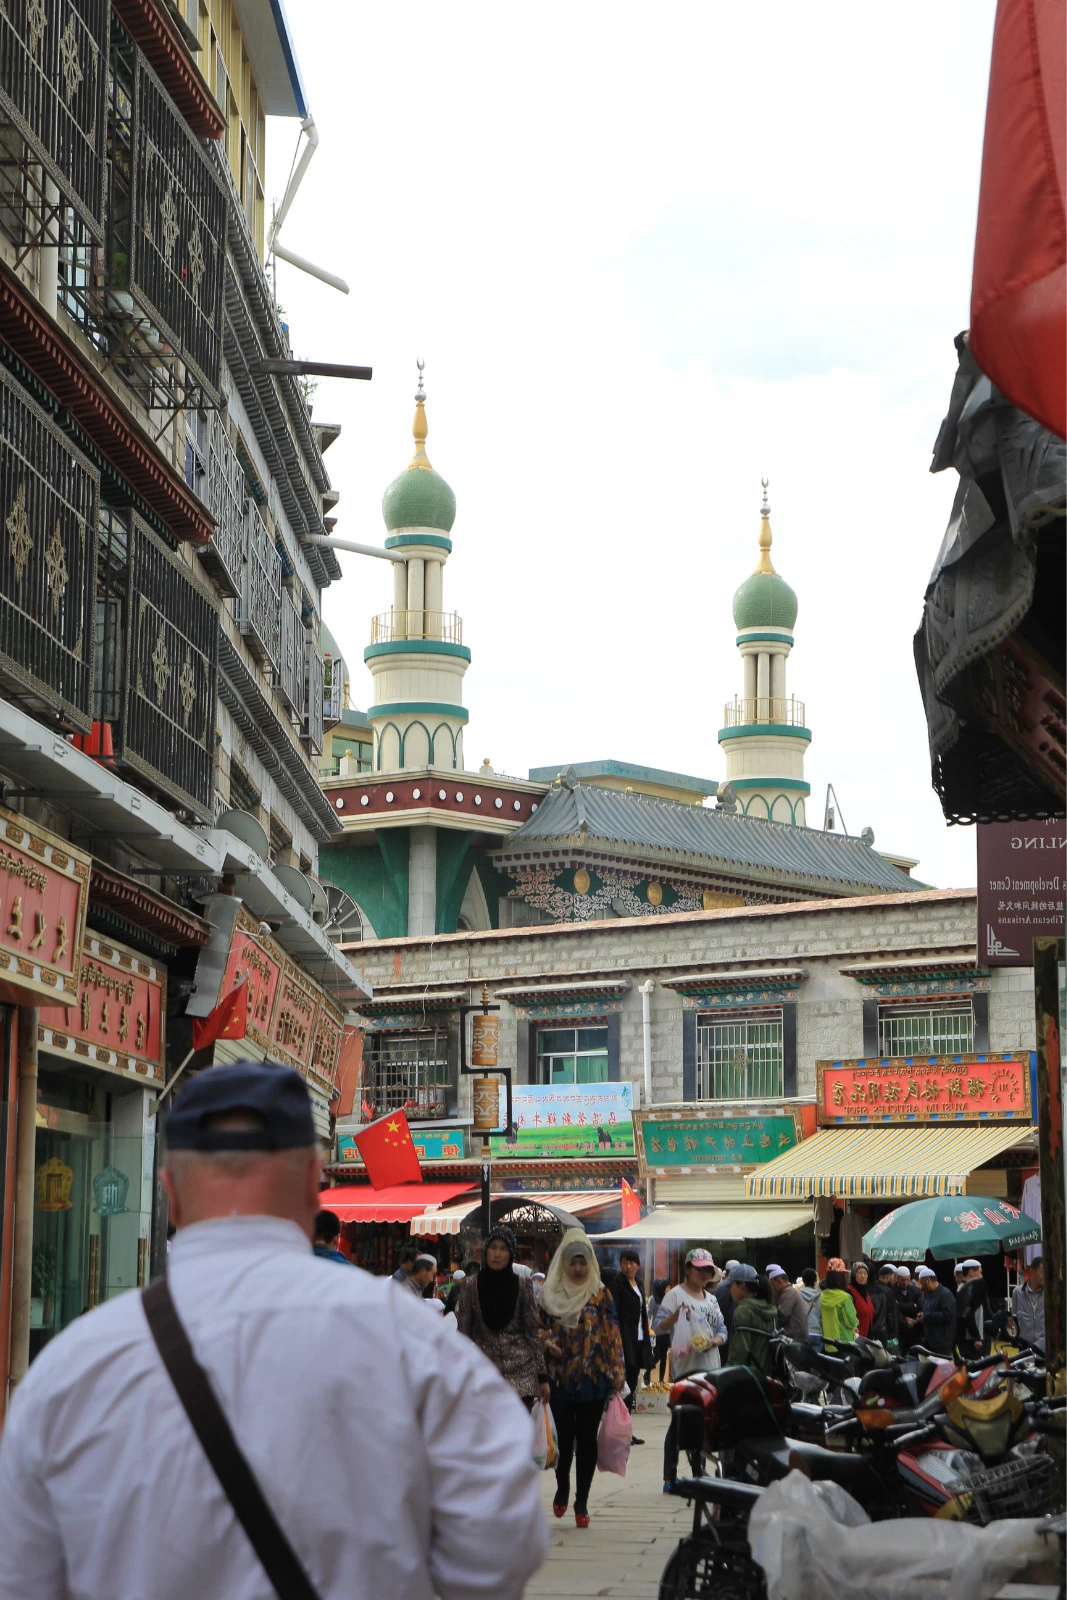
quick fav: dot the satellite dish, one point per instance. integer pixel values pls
(344, 923)
(320, 905)
(726, 795)
(244, 826)
(867, 836)
(292, 879)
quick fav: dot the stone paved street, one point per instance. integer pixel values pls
(634, 1528)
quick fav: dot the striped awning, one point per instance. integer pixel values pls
(576, 1202)
(713, 1223)
(904, 1161)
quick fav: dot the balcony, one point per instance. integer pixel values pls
(743, 713)
(443, 625)
(157, 645)
(314, 700)
(259, 609)
(48, 510)
(291, 670)
(224, 557)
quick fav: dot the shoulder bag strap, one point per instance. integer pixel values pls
(239, 1485)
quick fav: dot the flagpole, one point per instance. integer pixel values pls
(165, 1091)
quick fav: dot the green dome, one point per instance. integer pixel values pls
(765, 601)
(419, 498)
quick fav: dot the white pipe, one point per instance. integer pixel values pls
(644, 990)
(309, 266)
(356, 549)
(308, 128)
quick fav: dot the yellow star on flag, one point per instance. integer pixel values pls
(394, 1127)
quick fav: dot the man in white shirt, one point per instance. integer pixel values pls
(395, 1459)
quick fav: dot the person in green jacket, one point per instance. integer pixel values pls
(754, 1318)
(839, 1320)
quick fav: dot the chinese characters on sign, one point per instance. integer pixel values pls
(431, 1144)
(724, 1142)
(289, 1016)
(596, 1120)
(1022, 868)
(925, 1089)
(118, 1022)
(43, 894)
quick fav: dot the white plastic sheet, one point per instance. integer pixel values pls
(814, 1540)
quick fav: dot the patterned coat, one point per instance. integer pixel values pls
(516, 1350)
(590, 1366)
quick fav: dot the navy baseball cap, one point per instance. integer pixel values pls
(742, 1273)
(274, 1095)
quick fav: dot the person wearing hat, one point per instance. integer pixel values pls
(937, 1319)
(107, 1489)
(885, 1322)
(1028, 1306)
(792, 1312)
(498, 1312)
(909, 1304)
(409, 1274)
(725, 1299)
(755, 1318)
(975, 1313)
(837, 1308)
(691, 1315)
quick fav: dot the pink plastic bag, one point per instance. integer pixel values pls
(613, 1440)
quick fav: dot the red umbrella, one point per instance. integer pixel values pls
(1019, 288)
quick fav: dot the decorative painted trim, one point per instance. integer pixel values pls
(776, 730)
(760, 638)
(436, 1017)
(771, 783)
(414, 708)
(417, 647)
(734, 999)
(564, 1010)
(929, 988)
(437, 540)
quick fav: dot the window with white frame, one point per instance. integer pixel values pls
(740, 1057)
(407, 1072)
(572, 1055)
(196, 451)
(935, 1030)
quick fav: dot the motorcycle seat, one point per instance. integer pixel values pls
(725, 1492)
(836, 1466)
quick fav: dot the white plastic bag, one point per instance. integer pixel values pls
(546, 1440)
(814, 1540)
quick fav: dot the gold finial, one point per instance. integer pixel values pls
(420, 461)
(765, 564)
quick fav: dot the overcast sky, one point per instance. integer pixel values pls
(650, 255)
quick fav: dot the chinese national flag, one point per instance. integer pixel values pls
(631, 1205)
(229, 1020)
(388, 1152)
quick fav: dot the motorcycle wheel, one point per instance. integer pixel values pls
(702, 1570)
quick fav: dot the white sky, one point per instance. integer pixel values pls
(649, 255)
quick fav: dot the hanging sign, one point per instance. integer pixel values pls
(119, 1021)
(698, 1142)
(967, 1088)
(44, 888)
(290, 1017)
(1022, 884)
(565, 1121)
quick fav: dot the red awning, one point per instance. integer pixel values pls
(356, 1203)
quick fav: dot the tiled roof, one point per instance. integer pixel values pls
(671, 831)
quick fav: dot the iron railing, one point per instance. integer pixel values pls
(740, 712)
(740, 1059)
(928, 1031)
(48, 508)
(291, 668)
(157, 649)
(333, 690)
(444, 625)
(314, 700)
(224, 557)
(259, 608)
(407, 1071)
(53, 122)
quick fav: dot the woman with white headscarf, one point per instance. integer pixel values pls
(583, 1355)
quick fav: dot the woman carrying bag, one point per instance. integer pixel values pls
(583, 1350)
(497, 1311)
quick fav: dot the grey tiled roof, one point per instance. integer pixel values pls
(669, 831)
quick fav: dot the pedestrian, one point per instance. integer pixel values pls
(975, 1313)
(85, 1515)
(633, 1323)
(909, 1304)
(661, 1344)
(497, 1311)
(885, 1322)
(459, 1278)
(859, 1289)
(811, 1295)
(425, 1274)
(726, 1304)
(837, 1308)
(405, 1272)
(1028, 1306)
(327, 1237)
(583, 1350)
(537, 1282)
(937, 1319)
(792, 1311)
(693, 1318)
(755, 1319)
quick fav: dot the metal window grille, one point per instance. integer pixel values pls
(407, 1072)
(572, 1055)
(333, 689)
(259, 607)
(740, 1058)
(49, 495)
(196, 450)
(291, 673)
(933, 1031)
(314, 699)
(224, 557)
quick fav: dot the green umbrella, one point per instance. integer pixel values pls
(951, 1225)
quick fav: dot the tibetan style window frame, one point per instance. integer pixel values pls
(576, 1026)
(709, 1086)
(893, 1016)
(409, 1070)
(49, 499)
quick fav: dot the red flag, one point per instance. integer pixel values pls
(388, 1152)
(631, 1205)
(229, 1020)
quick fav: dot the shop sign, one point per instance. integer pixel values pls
(431, 1144)
(669, 1143)
(252, 957)
(119, 1021)
(967, 1088)
(1022, 878)
(326, 1054)
(565, 1122)
(289, 1016)
(44, 887)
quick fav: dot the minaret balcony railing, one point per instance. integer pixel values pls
(744, 712)
(390, 625)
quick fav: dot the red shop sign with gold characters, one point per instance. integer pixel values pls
(118, 1023)
(289, 1014)
(44, 887)
(257, 959)
(966, 1088)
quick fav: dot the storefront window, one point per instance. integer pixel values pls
(740, 1058)
(572, 1055)
(918, 1030)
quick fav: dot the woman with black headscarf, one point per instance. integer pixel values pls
(497, 1311)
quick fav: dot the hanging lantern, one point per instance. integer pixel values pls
(110, 1188)
(486, 1105)
(52, 1184)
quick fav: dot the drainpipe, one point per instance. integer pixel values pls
(25, 1157)
(644, 990)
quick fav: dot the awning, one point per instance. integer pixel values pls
(577, 1204)
(398, 1203)
(713, 1222)
(905, 1161)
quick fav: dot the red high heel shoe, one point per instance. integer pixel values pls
(581, 1518)
(559, 1510)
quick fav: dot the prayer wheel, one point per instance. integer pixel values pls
(484, 1031)
(486, 1105)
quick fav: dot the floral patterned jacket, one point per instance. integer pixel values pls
(590, 1364)
(516, 1350)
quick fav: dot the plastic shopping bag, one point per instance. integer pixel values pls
(613, 1440)
(546, 1442)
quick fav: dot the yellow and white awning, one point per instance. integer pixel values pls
(904, 1161)
(713, 1222)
